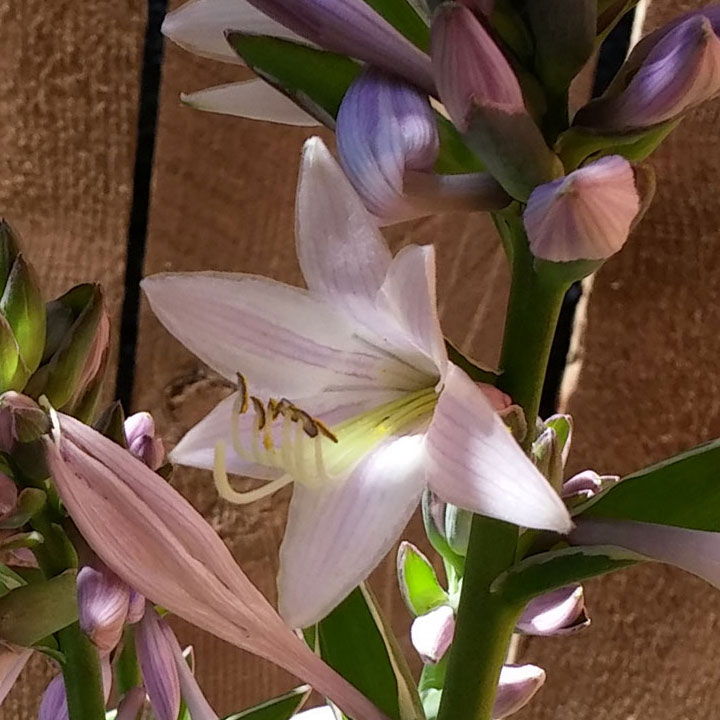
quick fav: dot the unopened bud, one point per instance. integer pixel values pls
(136, 607)
(432, 633)
(22, 314)
(584, 486)
(518, 684)
(664, 77)
(8, 495)
(102, 606)
(142, 440)
(586, 215)
(560, 612)
(419, 585)
(21, 420)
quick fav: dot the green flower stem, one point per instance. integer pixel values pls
(127, 670)
(485, 624)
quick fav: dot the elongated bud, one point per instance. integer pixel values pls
(21, 420)
(157, 663)
(483, 97)
(518, 684)
(142, 440)
(584, 486)
(586, 215)
(432, 633)
(102, 606)
(680, 71)
(73, 365)
(560, 612)
(22, 314)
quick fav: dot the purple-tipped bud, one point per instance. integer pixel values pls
(136, 607)
(470, 69)
(157, 662)
(560, 612)
(680, 71)
(142, 441)
(432, 633)
(518, 684)
(585, 485)
(586, 215)
(102, 606)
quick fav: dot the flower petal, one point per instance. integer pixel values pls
(696, 551)
(476, 464)
(432, 633)
(517, 685)
(281, 338)
(336, 536)
(199, 26)
(253, 99)
(12, 661)
(559, 612)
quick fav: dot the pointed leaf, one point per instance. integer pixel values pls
(9, 357)
(405, 18)
(9, 580)
(282, 707)
(419, 584)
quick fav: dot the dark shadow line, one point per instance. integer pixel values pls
(139, 210)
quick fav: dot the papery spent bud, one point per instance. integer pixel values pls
(78, 335)
(157, 663)
(21, 420)
(432, 633)
(102, 606)
(560, 612)
(680, 71)
(142, 440)
(586, 215)
(518, 684)
(22, 314)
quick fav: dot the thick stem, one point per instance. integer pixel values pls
(82, 675)
(484, 624)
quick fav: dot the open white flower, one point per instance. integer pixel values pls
(346, 390)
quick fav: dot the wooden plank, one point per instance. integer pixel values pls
(648, 387)
(223, 199)
(68, 98)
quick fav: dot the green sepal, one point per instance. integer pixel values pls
(13, 373)
(512, 30)
(432, 680)
(455, 156)
(21, 540)
(32, 612)
(111, 423)
(405, 18)
(539, 574)
(9, 250)
(682, 491)
(563, 426)
(454, 563)
(282, 707)
(10, 580)
(419, 584)
(355, 640)
(30, 502)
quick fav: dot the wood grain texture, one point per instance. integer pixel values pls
(648, 387)
(69, 76)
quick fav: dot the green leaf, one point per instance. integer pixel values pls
(405, 18)
(32, 612)
(683, 491)
(419, 585)
(29, 503)
(455, 156)
(10, 361)
(356, 642)
(562, 425)
(9, 580)
(282, 707)
(551, 570)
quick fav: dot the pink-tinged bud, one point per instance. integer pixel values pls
(498, 399)
(470, 69)
(102, 606)
(21, 420)
(157, 663)
(662, 80)
(518, 684)
(586, 215)
(432, 633)
(136, 607)
(142, 440)
(131, 704)
(12, 661)
(560, 612)
(8, 495)
(584, 485)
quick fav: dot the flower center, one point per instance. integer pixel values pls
(288, 438)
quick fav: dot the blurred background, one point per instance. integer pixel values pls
(107, 177)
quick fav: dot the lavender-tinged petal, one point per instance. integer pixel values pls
(131, 704)
(199, 26)
(337, 535)
(586, 215)
(559, 612)
(353, 28)
(53, 705)
(157, 663)
(136, 607)
(696, 551)
(252, 99)
(518, 684)
(585, 484)
(470, 69)
(432, 634)
(167, 551)
(475, 463)
(385, 127)
(143, 441)
(12, 661)
(102, 606)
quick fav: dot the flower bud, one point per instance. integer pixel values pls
(518, 684)
(22, 314)
(102, 606)
(136, 607)
(586, 215)
(21, 420)
(8, 495)
(662, 79)
(142, 440)
(560, 612)
(584, 486)
(432, 633)
(157, 663)
(73, 366)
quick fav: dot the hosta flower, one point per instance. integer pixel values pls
(346, 391)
